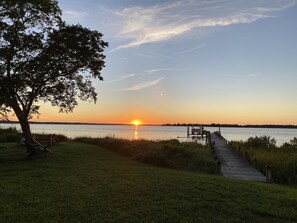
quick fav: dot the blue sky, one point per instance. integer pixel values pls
(186, 61)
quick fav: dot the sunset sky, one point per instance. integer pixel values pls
(190, 61)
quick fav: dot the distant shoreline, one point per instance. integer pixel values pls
(174, 125)
(236, 126)
(63, 123)
(72, 123)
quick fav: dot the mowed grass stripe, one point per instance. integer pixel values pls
(86, 183)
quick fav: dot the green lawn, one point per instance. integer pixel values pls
(85, 183)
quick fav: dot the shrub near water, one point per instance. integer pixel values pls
(14, 135)
(168, 153)
(10, 135)
(261, 151)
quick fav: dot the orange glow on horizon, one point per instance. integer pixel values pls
(136, 122)
(148, 116)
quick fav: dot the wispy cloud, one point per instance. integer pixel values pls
(127, 76)
(243, 75)
(165, 21)
(70, 15)
(158, 70)
(253, 75)
(122, 78)
(143, 85)
(191, 49)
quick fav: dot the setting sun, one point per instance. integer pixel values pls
(136, 122)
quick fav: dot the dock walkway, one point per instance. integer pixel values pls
(233, 165)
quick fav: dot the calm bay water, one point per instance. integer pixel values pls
(154, 132)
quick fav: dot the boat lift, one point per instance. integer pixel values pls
(198, 131)
(195, 131)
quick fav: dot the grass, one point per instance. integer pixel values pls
(283, 160)
(86, 183)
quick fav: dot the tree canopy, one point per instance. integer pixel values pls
(44, 59)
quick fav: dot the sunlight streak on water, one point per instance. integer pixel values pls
(135, 133)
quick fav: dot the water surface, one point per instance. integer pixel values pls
(282, 135)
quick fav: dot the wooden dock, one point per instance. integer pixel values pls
(233, 165)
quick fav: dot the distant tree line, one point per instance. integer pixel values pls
(231, 125)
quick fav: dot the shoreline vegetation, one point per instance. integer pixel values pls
(263, 154)
(168, 124)
(165, 153)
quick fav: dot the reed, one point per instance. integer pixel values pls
(261, 152)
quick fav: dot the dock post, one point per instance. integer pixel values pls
(268, 173)
(188, 131)
(50, 139)
(208, 138)
(219, 166)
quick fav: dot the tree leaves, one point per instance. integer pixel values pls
(42, 58)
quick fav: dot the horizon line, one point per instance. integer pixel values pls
(153, 124)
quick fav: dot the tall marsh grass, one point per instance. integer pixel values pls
(262, 151)
(168, 153)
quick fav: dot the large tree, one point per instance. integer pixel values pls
(43, 59)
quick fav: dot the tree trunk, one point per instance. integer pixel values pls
(23, 119)
(28, 137)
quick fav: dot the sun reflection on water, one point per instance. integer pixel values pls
(135, 134)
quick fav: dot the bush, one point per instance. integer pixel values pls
(9, 130)
(14, 135)
(10, 135)
(167, 153)
(260, 142)
(291, 145)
